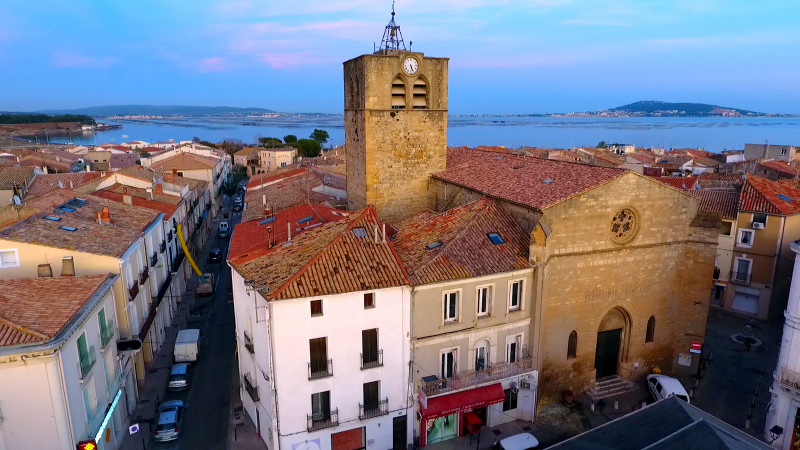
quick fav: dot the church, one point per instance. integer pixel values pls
(622, 264)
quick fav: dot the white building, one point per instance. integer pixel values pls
(322, 324)
(784, 410)
(60, 378)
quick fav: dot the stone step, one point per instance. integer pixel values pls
(608, 388)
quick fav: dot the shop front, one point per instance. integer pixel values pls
(453, 415)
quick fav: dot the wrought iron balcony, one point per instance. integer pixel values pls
(321, 421)
(371, 360)
(248, 343)
(790, 379)
(107, 333)
(87, 362)
(163, 246)
(251, 389)
(169, 236)
(740, 277)
(133, 291)
(144, 276)
(373, 410)
(320, 369)
(154, 259)
(475, 377)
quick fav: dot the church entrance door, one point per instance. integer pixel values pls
(606, 355)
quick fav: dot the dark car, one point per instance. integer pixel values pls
(223, 234)
(215, 256)
(237, 207)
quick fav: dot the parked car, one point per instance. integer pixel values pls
(522, 441)
(215, 256)
(179, 377)
(169, 420)
(237, 207)
(223, 234)
(662, 386)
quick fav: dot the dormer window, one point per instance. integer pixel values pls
(398, 93)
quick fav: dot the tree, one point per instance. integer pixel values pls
(289, 138)
(196, 140)
(232, 146)
(270, 142)
(231, 185)
(601, 144)
(309, 148)
(320, 136)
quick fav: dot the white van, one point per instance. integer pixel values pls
(662, 386)
(187, 345)
(522, 441)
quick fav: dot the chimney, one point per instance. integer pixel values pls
(127, 199)
(289, 229)
(269, 238)
(45, 271)
(169, 177)
(159, 188)
(105, 216)
(44, 169)
(71, 185)
(384, 233)
(67, 266)
(150, 190)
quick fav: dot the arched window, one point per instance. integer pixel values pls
(651, 329)
(572, 345)
(398, 93)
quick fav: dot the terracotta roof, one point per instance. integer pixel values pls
(723, 201)
(253, 235)
(45, 160)
(185, 161)
(138, 172)
(327, 260)
(122, 160)
(462, 248)
(34, 310)
(673, 160)
(248, 150)
(42, 183)
(720, 180)
(143, 193)
(14, 176)
(167, 208)
(780, 166)
(294, 188)
(109, 239)
(767, 196)
(533, 182)
(683, 183)
(260, 180)
(704, 161)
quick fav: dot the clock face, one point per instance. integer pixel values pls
(410, 65)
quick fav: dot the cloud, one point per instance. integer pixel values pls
(70, 59)
(292, 60)
(213, 64)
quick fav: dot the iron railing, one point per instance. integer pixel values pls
(740, 277)
(248, 343)
(163, 246)
(320, 372)
(251, 389)
(144, 276)
(107, 333)
(373, 410)
(474, 377)
(154, 259)
(133, 291)
(371, 360)
(87, 362)
(321, 421)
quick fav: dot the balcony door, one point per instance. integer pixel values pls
(371, 394)
(319, 355)
(321, 405)
(448, 363)
(369, 346)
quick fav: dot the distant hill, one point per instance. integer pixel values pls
(657, 108)
(159, 110)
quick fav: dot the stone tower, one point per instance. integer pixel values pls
(395, 110)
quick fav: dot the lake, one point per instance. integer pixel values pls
(713, 134)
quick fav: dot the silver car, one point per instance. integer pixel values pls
(169, 420)
(179, 377)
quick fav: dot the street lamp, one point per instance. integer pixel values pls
(775, 432)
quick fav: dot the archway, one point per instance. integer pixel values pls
(613, 336)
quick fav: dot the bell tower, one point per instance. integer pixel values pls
(395, 111)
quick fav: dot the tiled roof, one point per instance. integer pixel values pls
(327, 260)
(683, 183)
(254, 235)
(185, 161)
(120, 161)
(261, 180)
(167, 208)
(14, 176)
(45, 183)
(723, 201)
(34, 310)
(767, 196)
(45, 160)
(781, 167)
(464, 249)
(533, 182)
(705, 161)
(248, 151)
(138, 172)
(143, 193)
(295, 188)
(109, 239)
(673, 160)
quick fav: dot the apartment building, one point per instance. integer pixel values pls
(80, 235)
(755, 152)
(471, 327)
(275, 158)
(57, 346)
(322, 325)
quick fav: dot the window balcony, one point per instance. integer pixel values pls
(169, 238)
(373, 410)
(252, 390)
(322, 369)
(248, 343)
(144, 276)
(154, 259)
(475, 377)
(320, 421)
(133, 291)
(106, 334)
(87, 362)
(740, 277)
(369, 361)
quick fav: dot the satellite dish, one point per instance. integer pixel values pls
(16, 200)
(61, 185)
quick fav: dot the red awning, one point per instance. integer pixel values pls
(463, 401)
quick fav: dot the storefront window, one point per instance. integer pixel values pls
(442, 428)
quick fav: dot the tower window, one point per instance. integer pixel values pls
(420, 94)
(651, 329)
(572, 345)
(398, 93)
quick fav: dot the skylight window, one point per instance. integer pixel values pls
(66, 208)
(499, 158)
(547, 180)
(267, 220)
(360, 232)
(53, 218)
(785, 198)
(434, 245)
(305, 219)
(66, 228)
(495, 238)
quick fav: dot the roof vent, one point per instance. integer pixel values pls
(44, 271)
(67, 267)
